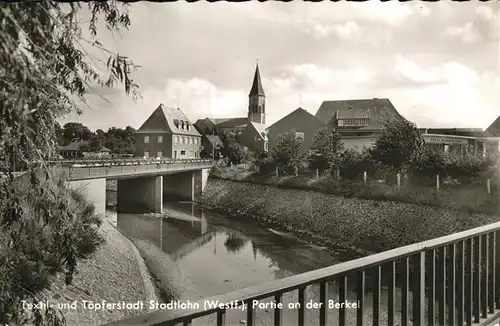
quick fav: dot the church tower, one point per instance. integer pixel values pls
(257, 100)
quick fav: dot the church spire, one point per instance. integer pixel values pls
(257, 88)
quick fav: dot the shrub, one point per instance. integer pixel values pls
(327, 148)
(399, 142)
(426, 165)
(288, 153)
(266, 166)
(466, 168)
(353, 164)
(36, 246)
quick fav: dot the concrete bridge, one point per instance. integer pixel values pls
(141, 183)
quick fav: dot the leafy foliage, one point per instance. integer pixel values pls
(327, 148)
(232, 150)
(267, 166)
(424, 167)
(288, 152)
(120, 141)
(353, 164)
(45, 68)
(467, 167)
(398, 144)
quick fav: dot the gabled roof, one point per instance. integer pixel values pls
(168, 120)
(213, 139)
(73, 146)
(494, 129)
(260, 129)
(233, 123)
(378, 110)
(298, 110)
(257, 88)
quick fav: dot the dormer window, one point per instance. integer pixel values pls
(187, 125)
(182, 125)
(176, 123)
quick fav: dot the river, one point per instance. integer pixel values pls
(214, 253)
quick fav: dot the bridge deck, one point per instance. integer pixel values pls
(118, 169)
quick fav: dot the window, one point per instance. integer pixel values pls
(160, 139)
(146, 139)
(196, 141)
(159, 154)
(184, 140)
(146, 153)
(190, 140)
(299, 135)
(266, 146)
(176, 139)
(183, 153)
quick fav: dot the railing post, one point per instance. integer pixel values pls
(488, 186)
(451, 265)
(376, 295)
(437, 183)
(364, 178)
(398, 176)
(419, 289)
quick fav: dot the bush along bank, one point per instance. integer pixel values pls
(372, 226)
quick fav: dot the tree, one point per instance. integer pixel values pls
(72, 130)
(231, 149)
(94, 143)
(288, 152)
(45, 71)
(327, 148)
(398, 144)
(120, 140)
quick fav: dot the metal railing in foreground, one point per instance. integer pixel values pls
(454, 281)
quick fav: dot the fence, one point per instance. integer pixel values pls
(453, 280)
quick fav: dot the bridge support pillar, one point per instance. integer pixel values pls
(185, 185)
(140, 195)
(95, 191)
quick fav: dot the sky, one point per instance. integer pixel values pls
(438, 63)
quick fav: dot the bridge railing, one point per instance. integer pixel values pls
(126, 161)
(454, 280)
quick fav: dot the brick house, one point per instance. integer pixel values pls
(302, 122)
(359, 122)
(168, 133)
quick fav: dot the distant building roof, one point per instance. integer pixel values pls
(169, 120)
(104, 149)
(214, 140)
(494, 129)
(260, 128)
(473, 132)
(298, 110)
(76, 145)
(233, 123)
(378, 110)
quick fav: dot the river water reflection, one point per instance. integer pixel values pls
(217, 253)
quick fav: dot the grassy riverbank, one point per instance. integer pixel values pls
(370, 225)
(468, 198)
(114, 273)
